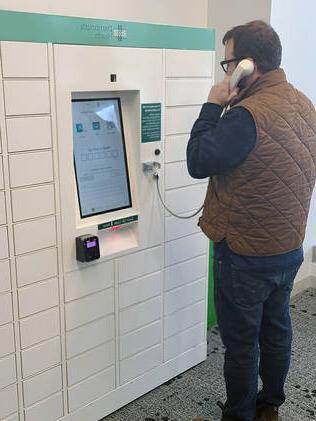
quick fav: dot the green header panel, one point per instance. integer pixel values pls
(35, 27)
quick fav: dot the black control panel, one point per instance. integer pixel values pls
(87, 248)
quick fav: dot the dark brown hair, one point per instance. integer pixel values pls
(259, 41)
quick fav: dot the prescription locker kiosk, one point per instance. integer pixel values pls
(103, 292)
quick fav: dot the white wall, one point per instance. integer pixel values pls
(223, 15)
(295, 22)
(296, 26)
(171, 12)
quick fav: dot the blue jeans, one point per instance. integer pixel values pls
(254, 321)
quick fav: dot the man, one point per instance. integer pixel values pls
(260, 157)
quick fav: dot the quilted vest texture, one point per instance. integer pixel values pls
(261, 207)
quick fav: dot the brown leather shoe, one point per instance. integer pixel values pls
(202, 419)
(267, 413)
(208, 419)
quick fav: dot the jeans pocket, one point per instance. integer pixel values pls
(248, 287)
(217, 275)
(289, 277)
(217, 268)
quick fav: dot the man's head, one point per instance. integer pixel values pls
(255, 40)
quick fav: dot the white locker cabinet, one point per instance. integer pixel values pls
(6, 340)
(93, 337)
(185, 272)
(178, 344)
(50, 409)
(139, 364)
(38, 266)
(180, 120)
(92, 388)
(33, 202)
(176, 176)
(14, 417)
(6, 315)
(4, 247)
(185, 251)
(8, 401)
(38, 297)
(100, 276)
(182, 63)
(34, 235)
(90, 363)
(184, 319)
(187, 91)
(26, 97)
(184, 296)
(29, 133)
(42, 386)
(7, 371)
(177, 199)
(5, 283)
(41, 357)
(136, 265)
(3, 217)
(90, 308)
(137, 316)
(138, 290)
(185, 248)
(1, 174)
(89, 336)
(139, 340)
(31, 168)
(39, 328)
(177, 228)
(175, 147)
(32, 59)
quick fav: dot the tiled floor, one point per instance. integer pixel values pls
(197, 391)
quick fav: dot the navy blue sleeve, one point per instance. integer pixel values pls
(219, 144)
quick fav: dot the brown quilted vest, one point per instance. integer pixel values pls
(261, 207)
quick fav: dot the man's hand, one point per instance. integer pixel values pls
(220, 93)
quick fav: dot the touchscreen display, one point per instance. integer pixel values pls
(100, 156)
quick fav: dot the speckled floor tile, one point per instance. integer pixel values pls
(196, 391)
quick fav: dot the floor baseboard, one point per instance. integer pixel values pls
(313, 282)
(303, 284)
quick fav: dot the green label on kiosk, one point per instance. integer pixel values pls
(117, 222)
(151, 122)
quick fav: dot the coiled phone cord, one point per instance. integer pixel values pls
(156, 176)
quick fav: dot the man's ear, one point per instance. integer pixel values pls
(256, 70)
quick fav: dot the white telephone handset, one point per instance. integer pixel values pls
(245, 68)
